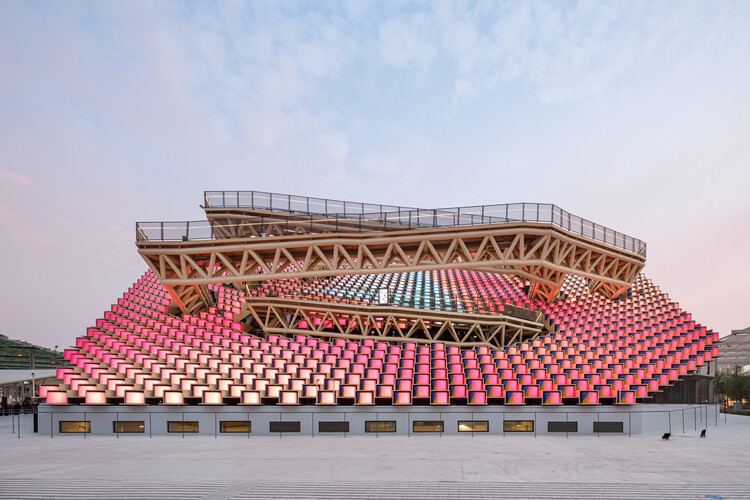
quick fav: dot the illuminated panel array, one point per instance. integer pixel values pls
(598, 351)
(454, 290)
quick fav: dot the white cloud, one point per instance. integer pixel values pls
(463, 90)
(408, 40)
(559, 55)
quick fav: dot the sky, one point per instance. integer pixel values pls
(635, 115)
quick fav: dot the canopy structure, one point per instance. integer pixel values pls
(18, 385)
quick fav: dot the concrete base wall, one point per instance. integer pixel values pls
(622, 420)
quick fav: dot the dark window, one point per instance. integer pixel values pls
(608, 426)
(562, 426)
(333, 426)
(284, 426)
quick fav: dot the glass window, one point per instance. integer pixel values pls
(125, 426)
(333, 426)
(75, 426)
(473, 426)
(284, 426)
(179, 426)
(518, 426)
(380, 426)
(235, 426)
(427, 426)
(566, 426)
(608, 427)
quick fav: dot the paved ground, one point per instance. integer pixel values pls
(515, 466)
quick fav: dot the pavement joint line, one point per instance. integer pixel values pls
(231, 491)
(19, 489)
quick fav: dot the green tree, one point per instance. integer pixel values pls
(720, 383)
(746, 388)
(733, 384)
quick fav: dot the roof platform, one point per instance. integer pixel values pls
(298, 214)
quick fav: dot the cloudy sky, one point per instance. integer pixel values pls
(633, 114)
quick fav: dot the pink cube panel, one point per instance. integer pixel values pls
(589, 398)
(347, 391)
(477, 398)
(96, 397)
(552, 398)
(288, 398)
(173, 398)
(402, 398)
(626, 398)
(135, 398)
(439, 398)
(250, 398)
(421, 391)
(514, 398)
(212, 398)
(57, 397)
(364, 398)
(326, 397)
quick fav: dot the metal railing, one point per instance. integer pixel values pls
(261, 200)
(317, 215)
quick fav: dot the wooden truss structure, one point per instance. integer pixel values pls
(541, 253)
(332, 320)
(243, 245)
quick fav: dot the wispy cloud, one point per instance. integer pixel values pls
(14, 178)
(32, 238)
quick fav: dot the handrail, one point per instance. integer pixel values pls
(293, 204)
(316, 224)
(442, 217)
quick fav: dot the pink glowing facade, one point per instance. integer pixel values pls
(595, 351)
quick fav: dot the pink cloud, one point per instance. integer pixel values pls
(14, 177)
(32, 238)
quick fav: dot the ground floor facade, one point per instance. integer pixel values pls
(410, 421)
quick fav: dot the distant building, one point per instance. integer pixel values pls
(735, 349)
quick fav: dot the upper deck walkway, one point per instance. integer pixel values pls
(337, 215)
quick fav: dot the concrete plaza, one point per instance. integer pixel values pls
(434, 466)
